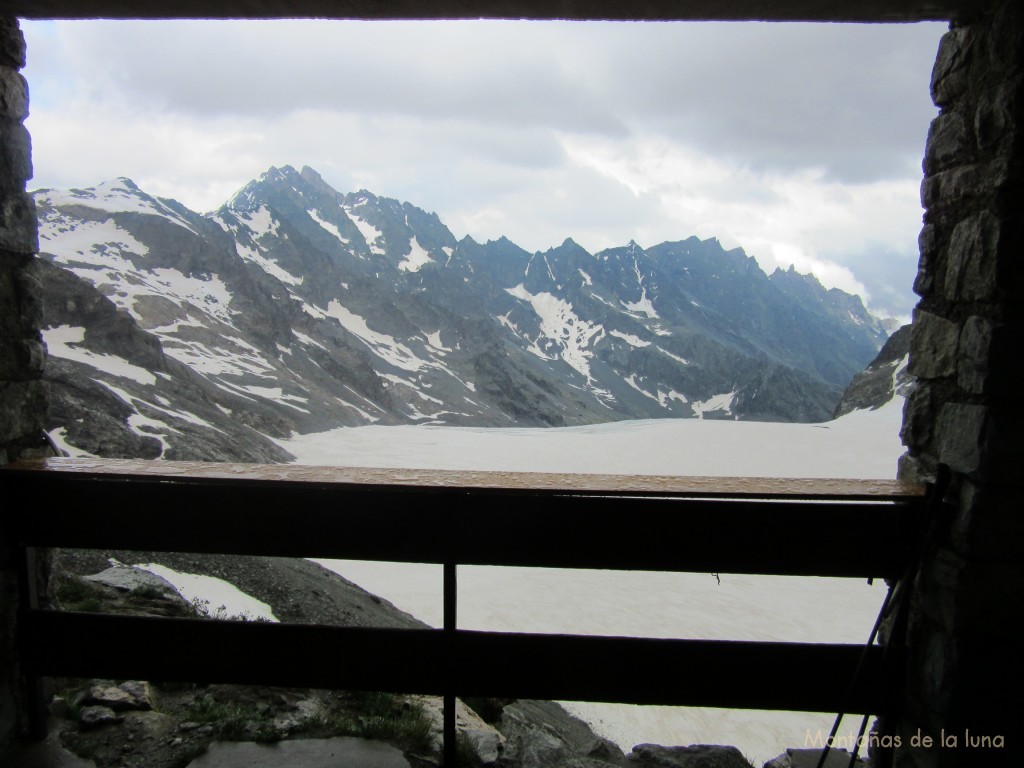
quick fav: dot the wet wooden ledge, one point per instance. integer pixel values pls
(482, 481)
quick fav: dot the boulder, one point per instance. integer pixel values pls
(130, 695)
(125, 578)
(96, 716)
(808, 758)
(536, 748)
(487, 743)
(694, 756)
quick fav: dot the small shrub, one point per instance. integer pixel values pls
(201, 608)
(75, 594)
(381, 716)
(465, 752)
(233, 722)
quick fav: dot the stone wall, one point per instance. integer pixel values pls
(22, 393)
(967, 611)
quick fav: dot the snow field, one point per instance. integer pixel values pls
(221, 598)
(864, 444)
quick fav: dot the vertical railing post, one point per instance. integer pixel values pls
(450, 625)
(33, 703)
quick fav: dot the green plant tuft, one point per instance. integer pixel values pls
(381, 716)
(76, 594)
(233, 722)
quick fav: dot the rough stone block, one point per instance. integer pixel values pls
(1003, 49)
(949, 74)
(23, 409)
(20, 300)
(975, 348)
(995, 119)
(21, 359)
(10, 318)
(12, 43)
(13, 95)
(962, 435)
(918, 419)
(18, 226)
(971, 259)
(949, 143)
(15, 156)
(930, 247)
(951, 189)
(30, 297)
(915, 469)
(933, 346)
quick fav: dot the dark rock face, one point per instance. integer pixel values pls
(886, 377)
(157, 408)
(540, 734)
(298, 591)
(295, 308)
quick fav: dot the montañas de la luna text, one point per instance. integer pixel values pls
(920, 739)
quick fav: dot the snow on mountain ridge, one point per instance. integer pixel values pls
(366, 287)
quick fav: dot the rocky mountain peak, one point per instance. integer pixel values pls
(312, 177)
(297, 308)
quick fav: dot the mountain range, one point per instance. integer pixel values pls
(298, 308)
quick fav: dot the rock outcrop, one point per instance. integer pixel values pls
(885, 378)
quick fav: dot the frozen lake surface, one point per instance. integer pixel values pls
(863, 444)
(687, 605)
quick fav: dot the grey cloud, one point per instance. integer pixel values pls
(482, 73)
(850, 99)
(886, 273)
(846, 98)
(466, 116)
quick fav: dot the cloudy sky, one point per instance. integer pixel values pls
(802, 144)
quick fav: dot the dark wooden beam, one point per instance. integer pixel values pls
(469, 524)
(635, 10)
(751, 675)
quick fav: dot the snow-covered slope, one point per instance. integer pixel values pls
(886, 377)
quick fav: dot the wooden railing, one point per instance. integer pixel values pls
(862, 529)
